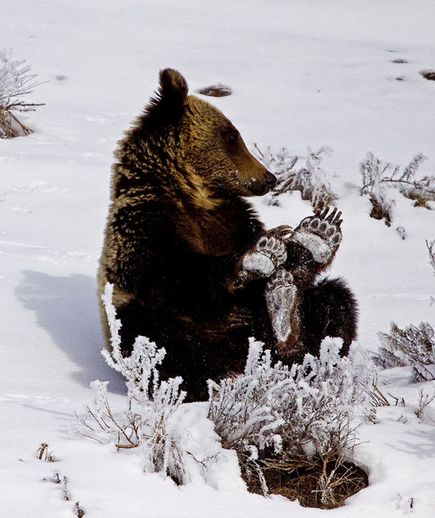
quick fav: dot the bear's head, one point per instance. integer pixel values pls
(205, 140)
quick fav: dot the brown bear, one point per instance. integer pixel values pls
(193, 267)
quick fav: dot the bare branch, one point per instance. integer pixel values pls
(431, 250)
(309, 178)
(376, 179)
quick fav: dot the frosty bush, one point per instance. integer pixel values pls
(424, 400)
(430, 245)
(271, 403)
(309, 179)
(288, 419)
(412, 346)
(148, 422)
(16, 82)
(379, 176)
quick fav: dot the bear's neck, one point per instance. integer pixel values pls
(229, 227)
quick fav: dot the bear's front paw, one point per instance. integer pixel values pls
(267, 255)
(320, 234)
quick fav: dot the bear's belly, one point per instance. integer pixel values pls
(217, 328)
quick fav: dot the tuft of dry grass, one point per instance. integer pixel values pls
(11, 126)
(323, 482)
(44, 454)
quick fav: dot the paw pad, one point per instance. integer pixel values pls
(320, 234)
(268, 254)
(272, 247)
(281, 279)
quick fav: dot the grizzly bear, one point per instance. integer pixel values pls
(193, 267)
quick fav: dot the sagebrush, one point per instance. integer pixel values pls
(380, 177)
(148, 421)
(299, 420)
(286, 419)
(411, 346)
(17, 82)
(295, 173)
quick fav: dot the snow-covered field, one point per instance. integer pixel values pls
(304, 73)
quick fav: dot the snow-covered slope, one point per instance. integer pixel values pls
(303, 72)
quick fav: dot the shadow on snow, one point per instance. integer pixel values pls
(66, 307)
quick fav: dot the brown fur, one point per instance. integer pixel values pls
(177, 229)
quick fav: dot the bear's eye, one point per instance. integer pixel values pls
(232, 137)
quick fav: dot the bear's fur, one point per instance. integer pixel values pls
(177, 230)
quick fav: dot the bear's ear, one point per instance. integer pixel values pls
(167, 105)
(173, 87)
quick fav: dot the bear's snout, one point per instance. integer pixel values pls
(263, 183)
(270, 180)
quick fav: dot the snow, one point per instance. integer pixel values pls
(305, 72)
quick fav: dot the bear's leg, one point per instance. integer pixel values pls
(132, 316)
(327, 309)
(302, 318)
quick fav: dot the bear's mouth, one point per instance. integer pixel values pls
(255, 186)
(259, 189)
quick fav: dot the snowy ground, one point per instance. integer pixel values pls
(304, 72)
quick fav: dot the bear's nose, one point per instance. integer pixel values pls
(270, 180)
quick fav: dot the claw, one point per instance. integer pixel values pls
(332, 215)
(323, 214)
(338, 221)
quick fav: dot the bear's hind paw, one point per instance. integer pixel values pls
(320, 234)
(281, 304)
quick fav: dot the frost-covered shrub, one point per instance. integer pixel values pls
(272, 403)
(16, 82)
(378, 177)
(372, 172)
(302, 174)
(297, 423)
(412, 346)
(431, 250)
(148, 422)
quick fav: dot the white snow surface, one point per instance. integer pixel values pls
(303, 72)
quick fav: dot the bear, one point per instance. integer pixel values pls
(192, 266)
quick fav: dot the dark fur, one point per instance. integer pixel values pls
(177, 229)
